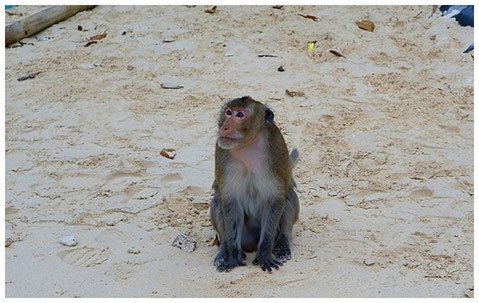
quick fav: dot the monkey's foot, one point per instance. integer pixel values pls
(220, 258)
(227, 265)
(282, 254)
(223, 263)
(267, 263)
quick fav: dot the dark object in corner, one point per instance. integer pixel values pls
(465, 15)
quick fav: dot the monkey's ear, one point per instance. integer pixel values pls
(269, 116)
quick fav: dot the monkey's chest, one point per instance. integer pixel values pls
(252, 189)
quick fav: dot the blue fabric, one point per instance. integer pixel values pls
(470, 48)
(465, 17)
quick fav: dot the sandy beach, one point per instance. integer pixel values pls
(384, 131)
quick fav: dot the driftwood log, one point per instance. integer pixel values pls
(31, 25)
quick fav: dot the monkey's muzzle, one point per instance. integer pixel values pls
(227, 142)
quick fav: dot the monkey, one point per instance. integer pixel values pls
(254, 205)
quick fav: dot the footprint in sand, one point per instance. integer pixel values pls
(111, 234)
(172, 178)
(119, 175)
(84, 256)
(421, 193)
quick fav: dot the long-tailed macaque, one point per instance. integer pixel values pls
(254, 206)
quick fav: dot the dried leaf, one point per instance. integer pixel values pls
(31, 76)
(336, 53)
(168, 40)
(417, 16)
(168, 86)
(294, 94)
(278, 6)
(269, 56)
(309, 17)
(211, 10)
(216, 241)
(169, 153)
(90, 43)
(366, 25)
(98, 37)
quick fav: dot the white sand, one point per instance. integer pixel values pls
(385, 176)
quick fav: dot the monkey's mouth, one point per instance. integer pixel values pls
(227, 142)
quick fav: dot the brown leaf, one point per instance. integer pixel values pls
(211, 10)
(278, 6)
(294, 94)
(90, 43)
(98, 37)
(216, 241)
(169, 153)
(31, 76)
(336, 53)
(366, 25)
(309, 17)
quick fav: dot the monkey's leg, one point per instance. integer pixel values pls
(233, 219)
(282, 250)
(216, 217)
(269, 226)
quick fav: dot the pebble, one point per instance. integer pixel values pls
(68, 241)
(332, 193)
(184, 243)
(134, 251)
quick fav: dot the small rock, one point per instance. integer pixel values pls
(332, 193)
(368, 262)
(68, 241)
(134, 251)
(184, 243)
(469, 293)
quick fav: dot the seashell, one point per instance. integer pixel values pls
(68, 241)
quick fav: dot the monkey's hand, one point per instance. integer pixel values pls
(267, 262)
(224, 263)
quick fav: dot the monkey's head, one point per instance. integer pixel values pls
(241, 121)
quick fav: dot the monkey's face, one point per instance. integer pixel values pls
(234, 126)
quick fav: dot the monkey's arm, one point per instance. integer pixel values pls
(233, 220)
(269, 226)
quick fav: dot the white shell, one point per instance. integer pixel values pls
(68, 241)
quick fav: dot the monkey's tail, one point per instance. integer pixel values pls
(293, 157)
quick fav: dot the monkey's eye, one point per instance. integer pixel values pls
(240, 115)
(228, 112)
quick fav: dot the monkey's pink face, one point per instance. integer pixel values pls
(230, 134)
